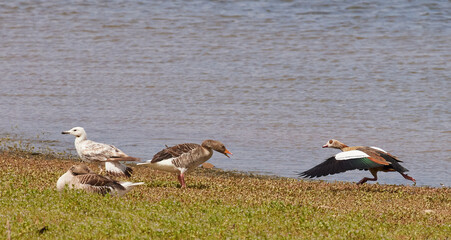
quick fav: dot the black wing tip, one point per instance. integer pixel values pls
(316, 173)
(306, 174)
(127, 173)
(104, 191)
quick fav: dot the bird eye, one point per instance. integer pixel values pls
(75, 130)
(330, 141)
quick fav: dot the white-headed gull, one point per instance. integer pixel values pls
(90, 151)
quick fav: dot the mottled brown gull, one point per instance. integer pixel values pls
(90, 151)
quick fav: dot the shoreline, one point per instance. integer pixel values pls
(28, 149)
(42, 145)
(216, 204)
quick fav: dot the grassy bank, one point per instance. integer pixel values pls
(216, 205)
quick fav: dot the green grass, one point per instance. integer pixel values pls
(216, 205)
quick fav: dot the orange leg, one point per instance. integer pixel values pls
(409, 177)
(374, 173)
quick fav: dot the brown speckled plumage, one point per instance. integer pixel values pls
(175, 151)
(81, 177)
(184, 157)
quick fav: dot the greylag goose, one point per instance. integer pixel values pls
(81, 177)
(373, 159)
(184, 157)
(90, 151)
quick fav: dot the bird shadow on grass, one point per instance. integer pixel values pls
(197, 186)
(166, 184)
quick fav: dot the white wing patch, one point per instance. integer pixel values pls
(164, 165)
(353, 154)
(380, 149)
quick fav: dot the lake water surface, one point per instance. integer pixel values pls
(273, 80)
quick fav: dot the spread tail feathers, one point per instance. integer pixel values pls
(128, 186)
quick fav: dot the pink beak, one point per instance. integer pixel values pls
(325, 146)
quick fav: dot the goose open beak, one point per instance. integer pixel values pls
(227, 151)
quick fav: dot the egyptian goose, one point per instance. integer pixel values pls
(363, 158)
(81, 177)
(90, 151)
(184, 157)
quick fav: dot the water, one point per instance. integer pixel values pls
(273, 80)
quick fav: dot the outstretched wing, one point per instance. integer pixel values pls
(343, 162)
(175, 151)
